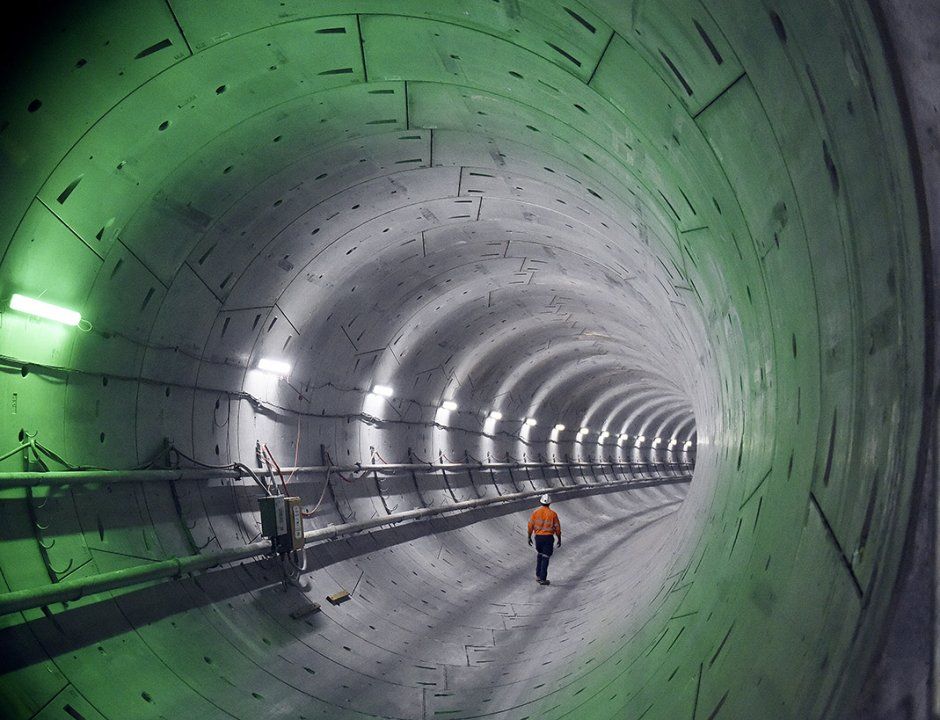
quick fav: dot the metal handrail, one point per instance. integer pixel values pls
(77, 588)
(82, 477)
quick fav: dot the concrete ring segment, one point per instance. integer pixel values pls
(545, 242)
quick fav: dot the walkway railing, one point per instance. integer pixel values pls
(83, 477)
(176, 567)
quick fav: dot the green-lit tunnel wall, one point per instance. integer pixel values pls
(687, 220)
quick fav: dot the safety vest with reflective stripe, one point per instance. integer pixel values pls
(544, 521)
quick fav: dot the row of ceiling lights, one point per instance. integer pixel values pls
(451, 406)
(280, 368)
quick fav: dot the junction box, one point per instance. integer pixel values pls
(282, 522)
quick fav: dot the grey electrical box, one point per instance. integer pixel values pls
(282, 522)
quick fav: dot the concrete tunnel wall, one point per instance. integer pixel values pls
(674, 220)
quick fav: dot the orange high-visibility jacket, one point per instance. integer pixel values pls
(544, 521)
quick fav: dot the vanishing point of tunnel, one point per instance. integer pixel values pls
(304, 305)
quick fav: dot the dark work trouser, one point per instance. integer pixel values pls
(544, 546)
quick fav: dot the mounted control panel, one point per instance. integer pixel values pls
(282, 522)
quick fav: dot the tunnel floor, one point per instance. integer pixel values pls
(470, 629)
(448, 624)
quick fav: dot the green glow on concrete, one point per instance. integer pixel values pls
(765, 174)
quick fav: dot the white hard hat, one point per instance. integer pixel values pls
(545, 499)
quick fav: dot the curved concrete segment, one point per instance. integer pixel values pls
(688, 227)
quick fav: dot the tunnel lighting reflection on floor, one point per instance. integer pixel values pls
(274, 367)
(383, 390)
(31, 306)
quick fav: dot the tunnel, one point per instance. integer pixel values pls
(417, 264)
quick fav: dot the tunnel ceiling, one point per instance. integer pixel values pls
(477, 199)
(683, 219)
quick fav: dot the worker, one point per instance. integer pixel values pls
(545, 524)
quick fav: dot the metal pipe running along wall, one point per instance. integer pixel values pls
(78, 588)
(84, 477)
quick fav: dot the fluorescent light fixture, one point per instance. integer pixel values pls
(640, 440)
(531, 422)
(496, 415)
(449, 405)
(657, 441)
(604, 434)
(584, 431)
(383, 390)
(275, 367)
(672, 443)
(688, 444)
(559, 427)
(44, 310)
(624, 436)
